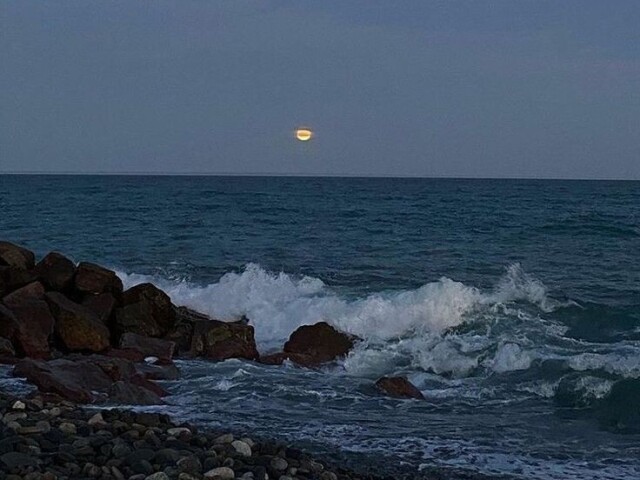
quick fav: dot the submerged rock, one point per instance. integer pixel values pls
(399, 387)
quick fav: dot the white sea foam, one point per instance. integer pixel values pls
(411, 326)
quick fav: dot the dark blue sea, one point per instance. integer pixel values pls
(513, 305)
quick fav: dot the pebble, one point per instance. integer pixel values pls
(97, 420)
(18, 405)
(158, 476)
(242, 448)
(68, 428)
(278, 463)
(226, 438)
(178, 432)
(220, 473)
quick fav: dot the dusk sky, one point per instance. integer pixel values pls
(477, 88)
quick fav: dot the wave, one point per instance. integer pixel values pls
(444, 329)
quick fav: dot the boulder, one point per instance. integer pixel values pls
(6, 348)
(129, 394)
(89, 379)
(28, 325)
(126, 353)
(158, 372)
(102, 305)
(34, 290)
(77, 327)
(94, 279)
(15, 256)
(399, 387)
(146, 310)
(219, 341)
(182, 332)
(56, 271)
(148, 346)
(72, 380)
(316, 344)
(12, 278)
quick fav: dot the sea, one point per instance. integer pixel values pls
(513, 305)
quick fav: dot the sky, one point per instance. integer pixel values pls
(446, 88)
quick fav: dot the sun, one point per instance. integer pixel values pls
(304, 134)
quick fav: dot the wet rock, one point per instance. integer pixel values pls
(182, 332)
(94, 279)
(12, 278)
(15, 256)
(399, 387)
(101, 305)
(147, 346)
(158, 372)
(313, 345)
(219, 341)
(56, 271)
(77, 326)
(146, 310)
(34, 290)
(130, 394)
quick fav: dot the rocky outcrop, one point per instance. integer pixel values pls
(399, 387)
(89, 379)
(77, 327)
(219, 341)
(93, 279)
(146, 310)
(29, 325)
(15, 256)
(56, 271)
(148, 347)
(313, 345)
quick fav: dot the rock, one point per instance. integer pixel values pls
(279, 464)
(34, 290)
(15, 460)
(97, 420)
(18, 405)
(328, 476)
(220, 473)
(56, 271)
(146, 310)
(312, 345)
(182, 332)
(77, 326)
(101, 305)
(399, 387)
(15, 256)
(28, 325)
(190, 465)
(68, 428)
(126, 354)
(222, 439)
(147, 346)
(12, 278)
(130, 394)
(242, 448)
(6, 348)
(219, 341)
(158, 476)
(94, 279)
(179, 432)
(158, 372)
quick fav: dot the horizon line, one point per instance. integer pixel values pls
(303, 175)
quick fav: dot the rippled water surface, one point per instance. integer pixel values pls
(513, 305)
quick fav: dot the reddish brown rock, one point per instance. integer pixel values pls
(34, 290)
(399, 387)
(72, 380)
(125, 353)
(77, 327)
(219, 341)
(102, 305)
(147, 346)
(12, 278)
(94, 279)
(317, 344)
(56, 271)
(28, 325)
(90, 379)
(16, 256)
(146, 310)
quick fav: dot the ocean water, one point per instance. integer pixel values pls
(513, 305)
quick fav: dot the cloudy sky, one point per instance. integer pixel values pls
(474, 88)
